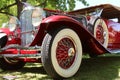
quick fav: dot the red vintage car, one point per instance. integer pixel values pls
(59, 39)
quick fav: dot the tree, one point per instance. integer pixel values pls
(14, 7)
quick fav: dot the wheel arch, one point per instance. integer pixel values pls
(83, 34)
(89, 43)
(54, 22)
(87, 39)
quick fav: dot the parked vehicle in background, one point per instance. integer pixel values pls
(58, 39)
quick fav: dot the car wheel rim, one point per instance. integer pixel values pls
(65, 53)
(100, 34)
(73, 52)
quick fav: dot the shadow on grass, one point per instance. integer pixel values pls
(33, 70)
(101, 68)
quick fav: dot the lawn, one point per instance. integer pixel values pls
(101, 68)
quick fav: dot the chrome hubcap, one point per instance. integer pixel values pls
(71, 52)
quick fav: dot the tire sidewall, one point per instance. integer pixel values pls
(97, 21)
(49, 53)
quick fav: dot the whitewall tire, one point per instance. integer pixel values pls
(62, 53)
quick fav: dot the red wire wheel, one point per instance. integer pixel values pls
(101, 32)
(61, 53)
(65, 53)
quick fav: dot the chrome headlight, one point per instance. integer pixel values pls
(37, 15)
(13, 22)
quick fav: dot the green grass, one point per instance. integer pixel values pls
(101, 68)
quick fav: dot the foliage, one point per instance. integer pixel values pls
(65, 5)
(14, 7)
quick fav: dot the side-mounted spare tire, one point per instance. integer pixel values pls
(99, 29)
(101, 32)
(61, 53)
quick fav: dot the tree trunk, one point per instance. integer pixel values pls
(19, 7)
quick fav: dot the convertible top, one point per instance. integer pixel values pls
(109, 11)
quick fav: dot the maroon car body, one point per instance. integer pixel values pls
(110, 15)
(59, 39)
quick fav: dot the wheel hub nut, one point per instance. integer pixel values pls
(71, 52)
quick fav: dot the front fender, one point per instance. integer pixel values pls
(50, 23)
(58, 18)
(5, 30)
(88, 41)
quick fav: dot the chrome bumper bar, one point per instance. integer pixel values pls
(16, 46)
(18, 54)
(38, 55)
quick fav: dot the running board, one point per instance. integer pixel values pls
(116, 51)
